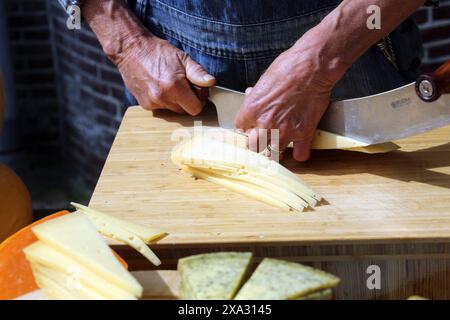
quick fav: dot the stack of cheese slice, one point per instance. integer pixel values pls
(228, 163)
(213, 276)
(72, 261)
(224, 276)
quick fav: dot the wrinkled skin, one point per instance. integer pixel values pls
(160, 76)
(290, 96)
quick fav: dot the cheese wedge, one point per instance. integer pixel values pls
(74, 235)
(319, 295)
(215, 276)
(145, 233)
(47, 257)
(58, 286)
(283, 280)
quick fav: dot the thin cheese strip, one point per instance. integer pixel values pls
(246, 189)
(287, 197)
(145, 233)
(254, 175)
(112, 231)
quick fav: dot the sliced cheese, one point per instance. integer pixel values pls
(213, 275)
(145, 233)
(328, 140)
(58, 286)
(246, 172)
(113, 231)
(283, 280)
(249, 190)
(74, 235)
(376, 148)
(46, 256)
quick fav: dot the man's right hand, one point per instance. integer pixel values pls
(159, 75)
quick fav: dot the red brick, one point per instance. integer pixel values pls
(436, 33)
(441, 13)
(421, 16)
(439, 51)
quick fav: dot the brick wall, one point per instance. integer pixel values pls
(72, 104)
(91, 94)
(34, 77)
(35, 154)
(435, 26)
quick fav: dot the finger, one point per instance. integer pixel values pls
(257, 139)
(253, 137)
(248, 90)
(176, 108)
(197, 75)
(302, 150)
(244, 119)
(155, 106)
(278, 142)
(187, 99)
(149, 105)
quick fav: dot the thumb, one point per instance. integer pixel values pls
(197, 75)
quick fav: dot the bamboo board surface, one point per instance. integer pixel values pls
(400, 196)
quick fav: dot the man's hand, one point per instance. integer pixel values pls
(160, 76)
(294, 92)
(156, 73)
(291, 96)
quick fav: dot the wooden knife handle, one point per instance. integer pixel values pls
(430, 86)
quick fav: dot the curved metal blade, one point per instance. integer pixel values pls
(227, 102)
(387, 116)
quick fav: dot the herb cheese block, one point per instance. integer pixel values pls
(214, 276)
(283, 280)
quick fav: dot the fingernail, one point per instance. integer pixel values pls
(208, 77)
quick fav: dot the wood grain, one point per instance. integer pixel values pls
(391, 209)
(399, 196)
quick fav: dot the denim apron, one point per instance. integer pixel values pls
(236, 40)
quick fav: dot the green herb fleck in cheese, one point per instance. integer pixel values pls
(213, 275)
(283, 280)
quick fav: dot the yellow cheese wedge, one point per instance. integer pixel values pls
(46, 256)
(213, 275)
(74, 235)
(319, 295)
(145, 233)
(58, 286)
(283, 280)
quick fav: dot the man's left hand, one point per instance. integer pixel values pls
(292, 95)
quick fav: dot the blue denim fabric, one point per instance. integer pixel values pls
(237, 40)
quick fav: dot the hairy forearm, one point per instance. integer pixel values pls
(114, 25)
(343, 35)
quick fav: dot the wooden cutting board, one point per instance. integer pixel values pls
(403, 195)
(392, 210)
